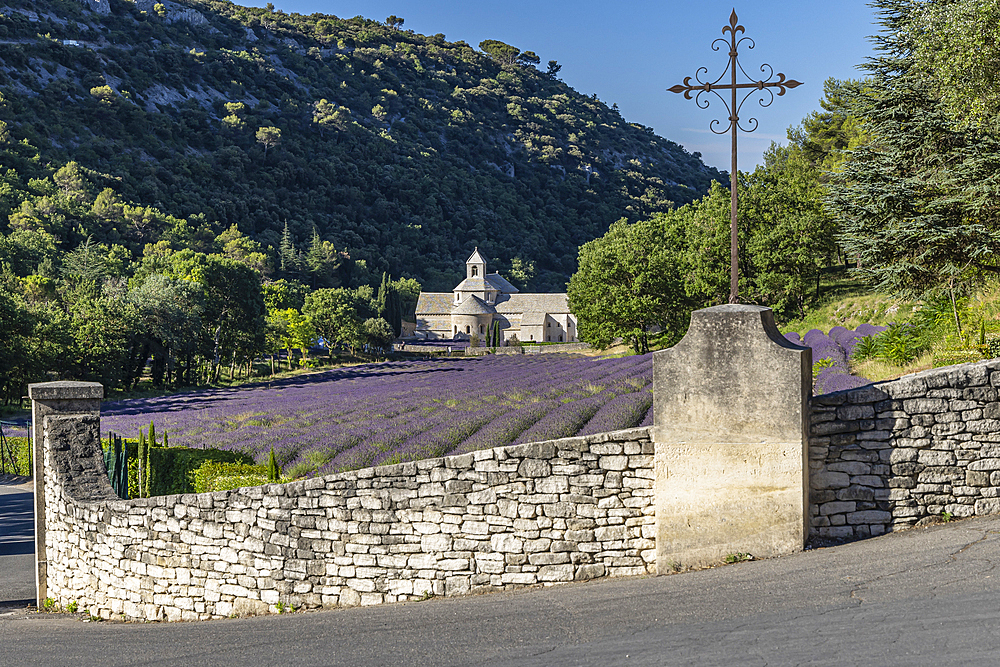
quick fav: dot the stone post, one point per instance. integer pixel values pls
(53, 399)
(730, 431)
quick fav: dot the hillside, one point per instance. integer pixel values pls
(401, 149)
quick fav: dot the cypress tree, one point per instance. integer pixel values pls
(143, 458)
(152, 435)
(383, 297)
(273, 471)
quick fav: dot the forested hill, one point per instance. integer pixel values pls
(402, 149)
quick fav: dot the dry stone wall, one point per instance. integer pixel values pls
(890, 455)
(557, 511)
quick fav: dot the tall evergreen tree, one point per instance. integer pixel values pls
(288, 254)
(916, 204)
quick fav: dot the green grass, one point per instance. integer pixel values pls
(847, 302)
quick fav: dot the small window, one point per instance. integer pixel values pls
(481, 329)
(560, 338)
(548, 339)
(467, 329)
(548, 324)
(475, 271)
(532, 337)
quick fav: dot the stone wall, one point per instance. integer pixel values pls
(557, 511)
(890, 455)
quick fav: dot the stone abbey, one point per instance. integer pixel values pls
(482, 299)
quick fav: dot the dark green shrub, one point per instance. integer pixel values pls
(172, 470)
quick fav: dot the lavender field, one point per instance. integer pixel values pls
(836, 347)
(407, 410)
(401, 411)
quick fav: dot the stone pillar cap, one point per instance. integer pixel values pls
(65, 390)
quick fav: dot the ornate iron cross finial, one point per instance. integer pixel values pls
(751, 86)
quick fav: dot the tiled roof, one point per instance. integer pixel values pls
(501, 283)
(532, 319)
(435, 303)
(533, 303)
(472, 305)
(474, 285)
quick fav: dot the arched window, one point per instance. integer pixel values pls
(456, 330)
(475, 271)
(560, 338)
(548, 339)
(468, 329)
(548, 324)
(481, 329)
(532, 337)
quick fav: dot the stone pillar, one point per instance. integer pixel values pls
(730, 429)
(49, 399)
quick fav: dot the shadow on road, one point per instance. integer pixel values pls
(17, 545)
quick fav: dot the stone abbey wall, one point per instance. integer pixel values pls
(887, 456)
(564, 510)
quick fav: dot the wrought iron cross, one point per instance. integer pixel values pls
(733, 108)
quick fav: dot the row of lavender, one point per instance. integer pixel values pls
(407, 410)
(400, 411)
(831, 352)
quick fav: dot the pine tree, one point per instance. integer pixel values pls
(914, 204)
(316, 260)
(288, 254)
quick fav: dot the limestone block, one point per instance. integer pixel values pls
(731, 431)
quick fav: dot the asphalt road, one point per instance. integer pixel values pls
(17, 544)
(920, 597)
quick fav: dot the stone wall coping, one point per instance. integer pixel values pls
(65, 390)
(976, 373)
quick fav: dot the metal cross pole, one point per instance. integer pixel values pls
(734, 116)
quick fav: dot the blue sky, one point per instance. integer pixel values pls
(629, 53)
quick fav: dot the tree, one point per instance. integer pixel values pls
(287, 253)
(825, 136)
(334, 314)
(15, 328)
(298, 331)
(234, 307)
(86, 263)
(378, 335)
(105, 95)
(71, 182)
(408, 290)
(504, 54)
(394, 22)
(281, 294)
(957, 45)
(329, 115)
(268, 137)
(554, 68)
(528, 58)
(916, 203)
(630, 284)
(170, 316)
